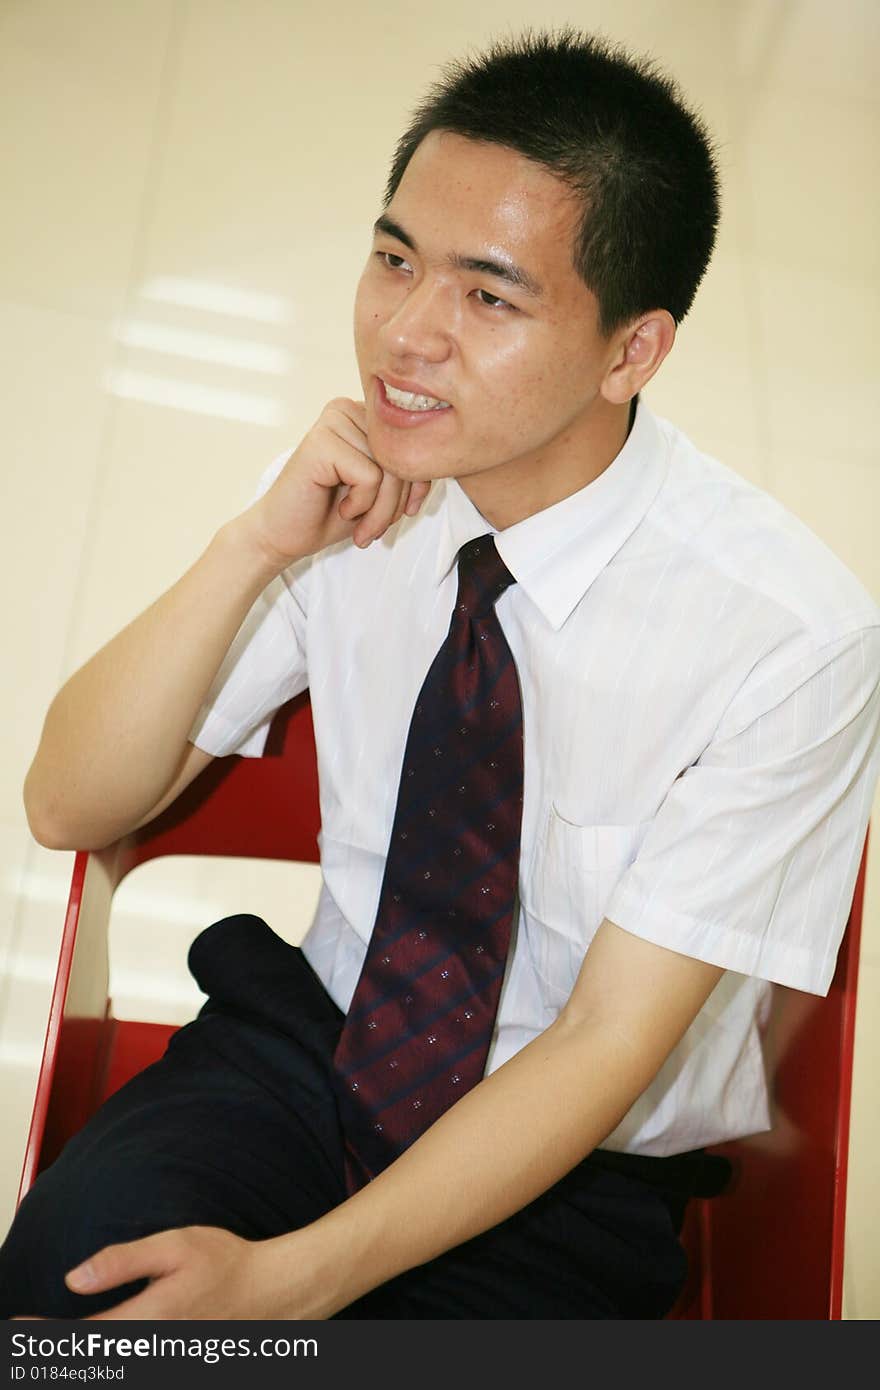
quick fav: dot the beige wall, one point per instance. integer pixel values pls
(187, 196)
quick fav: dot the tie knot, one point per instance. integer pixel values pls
(482, 576)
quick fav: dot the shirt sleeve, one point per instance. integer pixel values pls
(265, 665)
(751, 861)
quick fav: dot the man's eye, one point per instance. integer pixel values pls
(492, 301)
(392, 261)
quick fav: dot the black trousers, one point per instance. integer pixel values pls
(236, 1126)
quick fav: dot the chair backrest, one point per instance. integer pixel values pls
(262, 808)
(775, 1241)
(265, 808)
(769, 1247)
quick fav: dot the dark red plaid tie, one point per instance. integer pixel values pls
(417, 1033)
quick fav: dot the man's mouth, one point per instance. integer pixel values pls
(412, 400)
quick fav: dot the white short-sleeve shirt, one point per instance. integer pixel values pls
(700, 679)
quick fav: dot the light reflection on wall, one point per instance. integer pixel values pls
(245, 353)
(146, 335)
(217, 299)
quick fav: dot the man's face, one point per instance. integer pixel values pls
(470, 298)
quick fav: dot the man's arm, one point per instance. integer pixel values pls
(114, 749)
(524, 1126)
(499, 1147)
(114, 744)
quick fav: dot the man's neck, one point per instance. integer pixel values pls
(521, 487)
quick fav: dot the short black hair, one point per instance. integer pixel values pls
(618, 131)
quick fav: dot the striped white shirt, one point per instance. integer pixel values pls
(700, 680)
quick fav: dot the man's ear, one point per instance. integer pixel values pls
(637, 353)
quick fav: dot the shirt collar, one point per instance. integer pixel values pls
(555, 555)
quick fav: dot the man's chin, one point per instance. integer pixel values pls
(408, 465)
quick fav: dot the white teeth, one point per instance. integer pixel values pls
(408, 400)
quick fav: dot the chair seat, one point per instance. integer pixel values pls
(130, 1048)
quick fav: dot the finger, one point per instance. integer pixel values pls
(365, 490)
(349, 420)
(417, 494)
(355, 410)
(402, 501)
(119, 1264)
(341, 463)
(144, 1307)
(382, 513)
(411, 499)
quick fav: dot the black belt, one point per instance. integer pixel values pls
(693, 1174)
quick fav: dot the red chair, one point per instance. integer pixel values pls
(771, 1246)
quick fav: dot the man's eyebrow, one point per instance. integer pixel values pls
(504, 269)
(390, 228)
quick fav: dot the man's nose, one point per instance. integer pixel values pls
(422, 325)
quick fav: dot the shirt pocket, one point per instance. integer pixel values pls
(575, 869)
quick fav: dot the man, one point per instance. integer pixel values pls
(684, 685)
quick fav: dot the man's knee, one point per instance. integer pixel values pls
(59, 1224)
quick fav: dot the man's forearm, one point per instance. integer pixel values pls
(499, 1147)
(117, 731)
(511, 1137)
(114, 744)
